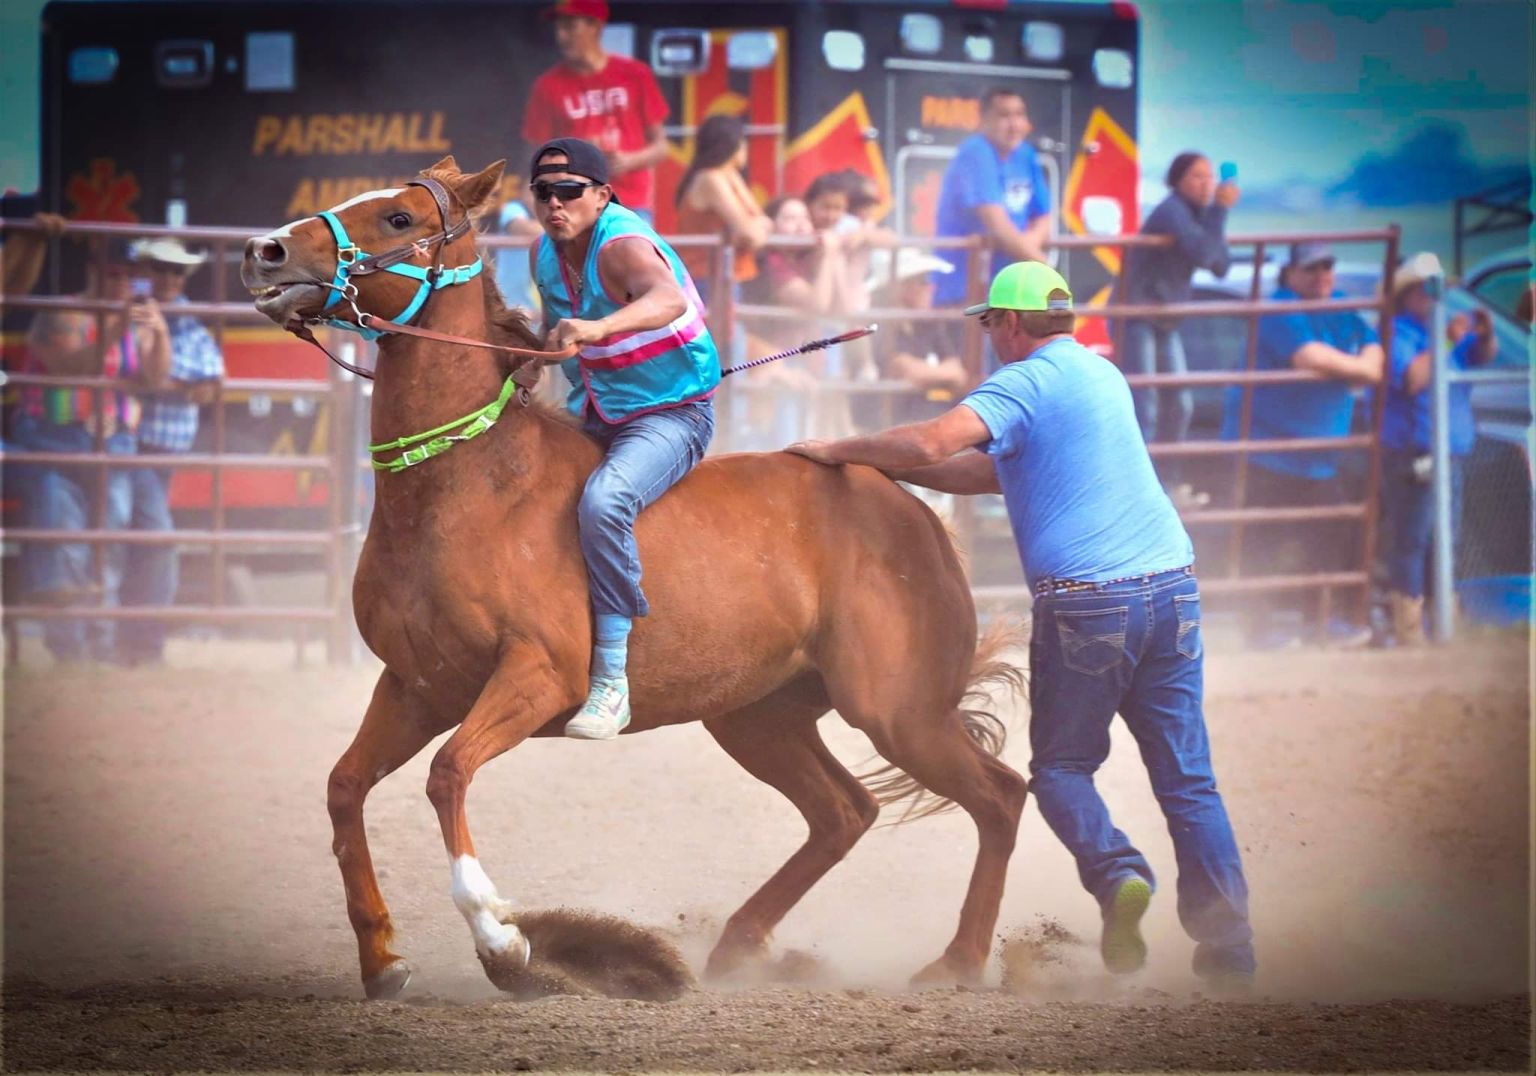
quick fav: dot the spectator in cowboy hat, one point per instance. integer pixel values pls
(1345, 353)
(168, 428)
(924, 354)
(1407, 507)
(612, 101)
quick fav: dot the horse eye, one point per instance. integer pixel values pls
(400, 220)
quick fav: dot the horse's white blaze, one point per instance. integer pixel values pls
(367, 196)
(475, 896)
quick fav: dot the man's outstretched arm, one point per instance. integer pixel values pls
(903, 448)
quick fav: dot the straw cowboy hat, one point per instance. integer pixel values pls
(910, 262)
(166, 251)
(1416, 270)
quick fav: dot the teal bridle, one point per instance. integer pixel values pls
(353, 261)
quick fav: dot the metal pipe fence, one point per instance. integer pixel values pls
(1444, 496)
(343, 465)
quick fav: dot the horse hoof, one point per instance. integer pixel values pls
(946, 971)
(388, 983)
(736, 960)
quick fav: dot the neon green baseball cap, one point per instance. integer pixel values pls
(1024, 286)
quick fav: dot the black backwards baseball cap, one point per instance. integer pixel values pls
(582, 159)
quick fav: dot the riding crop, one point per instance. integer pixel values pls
(813, 345)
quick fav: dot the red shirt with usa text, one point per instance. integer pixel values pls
(611, 108)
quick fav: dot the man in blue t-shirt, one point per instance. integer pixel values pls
(994, 187)
(1342, 350)
(1116, 613)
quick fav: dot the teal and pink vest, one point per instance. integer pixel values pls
(628, 374)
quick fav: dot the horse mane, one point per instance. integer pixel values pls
(507, 325)
(510, 325)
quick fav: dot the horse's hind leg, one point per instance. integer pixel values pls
(940, 755)
(776, 741)
(393, 730)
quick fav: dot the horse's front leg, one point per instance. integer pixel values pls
(523, 694)
(395, 727)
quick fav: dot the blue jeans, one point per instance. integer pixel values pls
(153, 572)
(645, 456)
(1164, 414)
(1135, 647)
(62, 498)
(1408, 518)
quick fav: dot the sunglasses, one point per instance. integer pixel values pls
(567, 190)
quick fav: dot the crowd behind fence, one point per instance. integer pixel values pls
(334, 543)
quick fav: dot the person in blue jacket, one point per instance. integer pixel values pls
(1194, 216)
(643, 382)
(1406, 468)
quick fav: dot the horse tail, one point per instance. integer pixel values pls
(989, 673)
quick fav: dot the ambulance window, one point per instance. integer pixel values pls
(92, 65)
(922, 34)
(843, 50)
(268, 62)
(1113, 68)
(751, 50)
(184, 65)
(619, 39)
(679, 53)
(978, 48)
(1042, 41)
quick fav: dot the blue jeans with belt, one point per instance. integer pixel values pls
(1134, 646)
(646, 456)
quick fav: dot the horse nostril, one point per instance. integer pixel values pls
(267, 251)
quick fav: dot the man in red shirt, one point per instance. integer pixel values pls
(612, 101)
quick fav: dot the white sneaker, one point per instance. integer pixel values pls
(605, 713)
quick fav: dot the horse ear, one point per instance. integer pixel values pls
(447, 164)
(474, 192)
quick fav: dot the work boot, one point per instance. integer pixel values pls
(1121, 945)
(1408, 619)
(605, 713)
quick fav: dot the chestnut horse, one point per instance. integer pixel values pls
(779, 589)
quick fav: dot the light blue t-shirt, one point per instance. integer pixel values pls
(1081, 493)
(977, 176)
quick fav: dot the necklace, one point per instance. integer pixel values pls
(573, 278)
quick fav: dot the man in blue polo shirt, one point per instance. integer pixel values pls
(1344, 352)
(995, 187)
(1116, 613)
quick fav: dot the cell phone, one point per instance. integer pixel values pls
(1228, 171)
(140, 287)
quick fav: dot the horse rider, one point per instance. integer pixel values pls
(642, 384)
(1116, 611)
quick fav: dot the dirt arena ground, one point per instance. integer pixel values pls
(171, 901)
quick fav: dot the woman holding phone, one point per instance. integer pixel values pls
(1194, 215)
